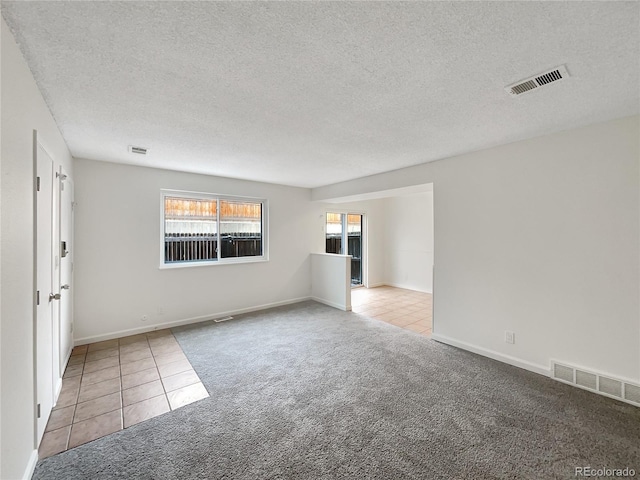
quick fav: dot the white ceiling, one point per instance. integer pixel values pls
(313, 93)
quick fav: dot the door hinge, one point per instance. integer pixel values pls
(37, 297)
(38, 410)
(38, 184)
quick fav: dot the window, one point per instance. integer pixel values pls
(344, 236)
(208, 229)
(334, 233)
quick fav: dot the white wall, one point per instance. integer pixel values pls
(540, 237)
(23, 110)
(117, 222)
(409, 241)
(2, 25)
(331, 279)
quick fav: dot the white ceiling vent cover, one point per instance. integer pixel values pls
(532, 83)
(138, 150)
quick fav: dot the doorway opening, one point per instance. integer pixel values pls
(344, 236)
(398, 245)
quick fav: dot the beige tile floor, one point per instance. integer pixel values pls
(112, 385)
(406, 309)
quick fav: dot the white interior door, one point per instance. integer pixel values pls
(66, 268)
(55, 284)
(44, 287)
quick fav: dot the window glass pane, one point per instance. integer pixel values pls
(190, 230)
(240, 229)
(354, 239)
(334, 233)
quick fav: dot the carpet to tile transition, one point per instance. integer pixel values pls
(310, 392)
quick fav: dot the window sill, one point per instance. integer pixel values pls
(227, 261)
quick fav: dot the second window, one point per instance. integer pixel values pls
(200, 228)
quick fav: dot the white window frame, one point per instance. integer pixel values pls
(344, 238)
(214, 196)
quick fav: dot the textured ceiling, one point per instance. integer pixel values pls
(313, 93)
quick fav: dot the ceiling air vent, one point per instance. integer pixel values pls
(554, 75)
(138, 150)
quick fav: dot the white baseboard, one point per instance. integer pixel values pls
(374, 285)
(57, 390)
(408, 287)
(344, 308)
(66, 362)
(516, 362)
(31, 465)
(185, 321)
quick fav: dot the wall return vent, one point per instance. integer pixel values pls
(138, 150)
(532, 83)
(597, 383)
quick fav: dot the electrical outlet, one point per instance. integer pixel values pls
(160, 310)
(509, 337)
(144, 318)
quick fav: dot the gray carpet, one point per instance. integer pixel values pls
(310, 392)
